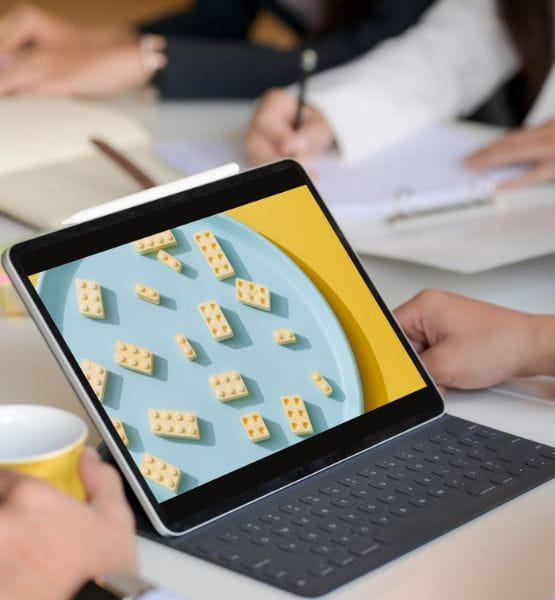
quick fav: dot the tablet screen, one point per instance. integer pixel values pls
(216, 343)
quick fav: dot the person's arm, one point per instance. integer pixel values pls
(468, 344)
(209, 60)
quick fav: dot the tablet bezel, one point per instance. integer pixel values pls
(219, 496)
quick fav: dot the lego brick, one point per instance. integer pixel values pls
(215, 320)
(321, 383)
(296, 414)
(120, 428)
(161, 472)
(170, 261)
(145, 292)
(254, 427)
(214, 255)
(153, 243)
(284, 336)
(185, 346)
(135, 358)
(253, 294)
(89, 298)
(97, 376)
(228, 386)
(174, 424)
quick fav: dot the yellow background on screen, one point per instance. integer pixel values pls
(294, 222)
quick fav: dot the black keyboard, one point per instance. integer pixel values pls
(356, 516)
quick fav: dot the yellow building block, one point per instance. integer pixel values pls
(135, 358)
(284, 336)
(321, 383)
(120, 428)
(228, 386)
(214, 255)
(153, 243)
(173, 424)
(254, 427)
(253, 294)
(170, 261)
(161, 472)
(97, 376)
(215, 320)
(296, 414)
(185, 346)
(89, 298)
(145, 292)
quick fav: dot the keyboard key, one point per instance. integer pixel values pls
(423, 447)
(461, 463)
(230, 537)
(482, 488)
(450, 449)
(309, 535)
(324, 511)
(292, 509)
(379, 484)
(501, 478)
(516, 470)
(382, 520)
(302, 521)
(229, 555)
(388, 535)
(405, 455)
(275, 571)
(362, 493)
(331, 526)
(480, 454)
(415, 466)
(433, 458)
(387, 497)
(369, 507)
(210, 546)
(250, 527)
(255, 562)
(440, 438)
(343, 539)
(367, 472)
(342, 558)
(421, 501)
(297, 579)
(261, 540)
(401, 510)
(456, 483)
(270, 518)
(348, 517)
(536, 462)
(364, 547)
(517, 452)
(472, 474)
(331, 490)
(486, 433)
(423, 479)
(548, 453)
(320, 568)
(281, 530)
(323, 549)
(289, 546)
(470, 441)
(363, 529)
(310, 499)
(437, 492)
(349, 481)
(490, 465)
(442, 471)
(397, 475)
(386, 464)
(406, 489)
(342, 502)
(459, 427)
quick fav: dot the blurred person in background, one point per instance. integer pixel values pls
(203, 52)
(446, 66)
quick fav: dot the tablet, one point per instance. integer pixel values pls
(225, 341)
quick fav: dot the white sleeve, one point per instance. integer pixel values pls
(442, 67)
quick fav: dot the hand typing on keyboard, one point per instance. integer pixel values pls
(468, 344)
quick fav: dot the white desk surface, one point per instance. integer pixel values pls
(508, 553)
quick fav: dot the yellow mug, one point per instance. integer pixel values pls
(43, 442)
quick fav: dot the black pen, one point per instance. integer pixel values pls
(307, 66)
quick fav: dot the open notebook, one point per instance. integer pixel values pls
(48, 167)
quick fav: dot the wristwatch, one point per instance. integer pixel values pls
(115, 587)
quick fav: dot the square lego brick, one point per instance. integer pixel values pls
(228, 386)
(97, 376)
(214, 255)
(153, 243)
(120, 428)
(284, 336)
(161, 472)
(185, 346)
(214, 319)
(296, 414)
(135, 358)
(253, 294)
(173, 424)
(321, 383)
(145, 292)
(89, 298)
(170, 261)
(254, 427)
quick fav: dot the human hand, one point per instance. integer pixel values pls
(468, 344)
(87, 72)
(27, 25)
(533, 145)
(51, 544)
(271, 135)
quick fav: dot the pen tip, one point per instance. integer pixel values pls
(309, 59)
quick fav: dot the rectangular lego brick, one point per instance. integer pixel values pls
(228, 386)
(253, 294)
(254, 427)
(214, 255)
(135, 358)
(215, 320)
(170, 261)
(145, 292)
(296, 414)
(120, 428)
(161, 472)
(321, 383)
(185, 346)
(97, 376)
(89, 298)
(284, 336)
(153, 243)
(173, 424)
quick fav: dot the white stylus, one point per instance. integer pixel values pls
(154, 193)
